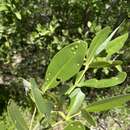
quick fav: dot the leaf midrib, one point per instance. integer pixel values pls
(58, 73)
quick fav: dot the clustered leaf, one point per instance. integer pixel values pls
(74, 60)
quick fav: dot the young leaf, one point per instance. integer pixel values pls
(42, 105)
(76, 125)
(97, 41)
(88, 118)
(106, 42)
(116, 44)
(77, 98)
(16, 117)
(65, 64)
(108, 103)
(104, 83)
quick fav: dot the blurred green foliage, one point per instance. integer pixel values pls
(32, 31)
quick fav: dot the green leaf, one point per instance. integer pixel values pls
(104, 83)
(18, 15)
(96, 42)
(42, 105)
(88, 118)
(16, 117)
(3, 7)
(108, 103)
(116, 44)
(65, 64)
(77, 98)
(106, 42)
(102, 64)
(76, 125)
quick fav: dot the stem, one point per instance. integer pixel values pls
(78, 81)
(70, 89)
(57, 123)
(34, 112)
(69, 117)
(60, 113)
(86, 67)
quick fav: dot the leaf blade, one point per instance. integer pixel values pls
(106, 42)
(88, 117)
(16, 117)
(102, 64)
(65, 64)
(97, 41)
(77, 98)
(76, 125)
(40, 102)
(104, 83)
(116, 44)
(108, 103)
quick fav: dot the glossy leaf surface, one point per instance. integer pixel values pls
(106, 42)
(97, 41)
(116, 44)
(65, 64)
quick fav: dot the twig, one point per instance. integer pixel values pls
(57, 123)
(34, 112)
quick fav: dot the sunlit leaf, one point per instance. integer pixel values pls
(16, 117)
(65, 64)
(108, 103)
(116, 44)
(76, 125)
(3, 7)
(18, 15)
(97, 42)
(106, 42)
(104, 83)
